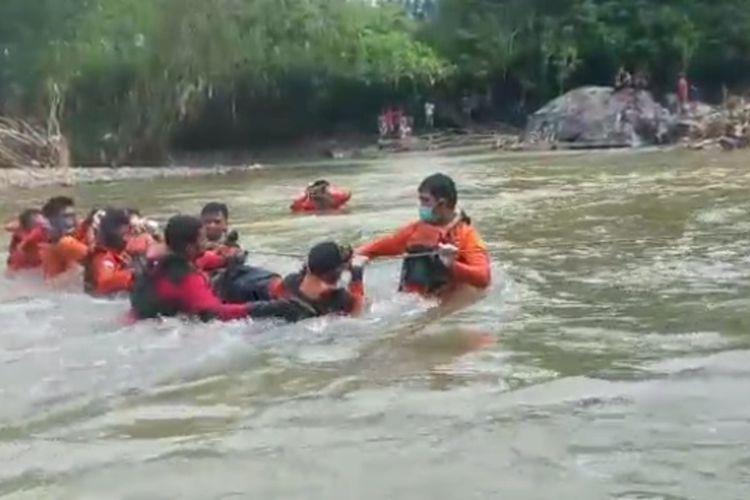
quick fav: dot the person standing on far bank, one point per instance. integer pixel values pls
(429, 114)
(683, 93)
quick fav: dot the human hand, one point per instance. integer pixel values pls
(360, 261)
(447, 254)
(96, 219)
(236, 259)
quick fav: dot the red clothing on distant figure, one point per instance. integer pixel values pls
(24, 251)
(304, 203)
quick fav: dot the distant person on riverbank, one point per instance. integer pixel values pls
(446, 250)
(398, 117)
(383, 125)
(404, 127)
(390, 121)
(429, 115)
(641, 80)
(466, 109)
(320, 196)
(623, 79)
(683, 93)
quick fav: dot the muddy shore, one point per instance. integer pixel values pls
(26, 178)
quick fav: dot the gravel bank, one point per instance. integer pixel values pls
(32, 178)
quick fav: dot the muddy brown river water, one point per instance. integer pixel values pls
(611, 360)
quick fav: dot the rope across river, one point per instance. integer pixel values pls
(536, 245)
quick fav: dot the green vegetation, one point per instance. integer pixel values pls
(138, 77)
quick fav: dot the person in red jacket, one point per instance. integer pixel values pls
(446, 250)
(174, 286)
(28, 233)
(320, 196)
(108, 270)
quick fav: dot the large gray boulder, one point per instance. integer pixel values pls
(601, 117)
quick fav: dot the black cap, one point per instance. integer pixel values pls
(325, 258)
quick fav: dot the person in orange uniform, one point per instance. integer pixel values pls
(447, 250)
(108, 269)
(28, 233)
(316, 288)
(63, 254)
(320, 196)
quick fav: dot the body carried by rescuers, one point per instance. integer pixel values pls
(320, 196)
(443, 251)
(109, 269)
(175, 286)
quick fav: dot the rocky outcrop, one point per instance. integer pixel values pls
(726, 127)
(601, 117)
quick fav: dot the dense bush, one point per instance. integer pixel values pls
(137, 75)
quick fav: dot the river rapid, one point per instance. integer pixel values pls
(611, 358)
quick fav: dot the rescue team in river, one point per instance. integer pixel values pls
(197, 269)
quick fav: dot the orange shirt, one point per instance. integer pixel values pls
(108, 273)
(472, 266)
(62, 256)
(316, 288)
(140, 244)
(305, 203)
(25, 253)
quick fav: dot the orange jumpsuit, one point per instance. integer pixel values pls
(139, 244)
(24, 252)
(62, 256)
(305, 203)
(472, 265)
(108, 272)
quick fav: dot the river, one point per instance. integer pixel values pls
(610, 360)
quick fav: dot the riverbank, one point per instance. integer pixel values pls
(28, 178)
(192, 164)
(490, 139)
